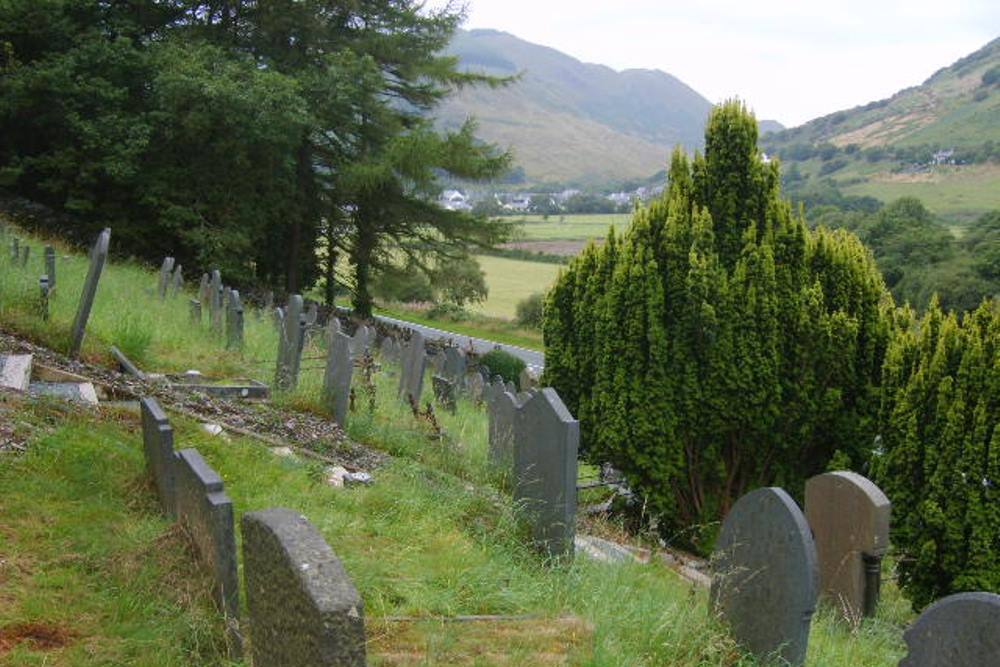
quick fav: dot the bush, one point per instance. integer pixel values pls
(449, 311)
(938, 461)
(504, 364)
(529, 311)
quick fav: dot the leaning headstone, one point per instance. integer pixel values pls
(503, 415)
(215, 302)
(158, 444)
(304, 610)
(337, 378)
(177, 281)
(165, 269)
(205, 510)
(766, 577)
(849, 518)
(289, 345)
(98, 256)
(961, 629)
(546, 440)
(444, 392)
(454, 364)
(50, 266)
(411, 377)
(194, 311)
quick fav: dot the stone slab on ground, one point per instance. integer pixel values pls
(15, 371)
(76, 392)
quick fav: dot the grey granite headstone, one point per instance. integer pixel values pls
(50, 266)
(503, 416)
(290, 345)
(98, 256)
(510, 387)
(337, 378)
(454, 364)
(475, 385)
(766, 576)
(158, 444)
(312, 314)
(215, 302)
(164, 281)
(546, 439)
(234, 321)
(361, 340)
(205, 291)
(961, 629)
(445, 392)
(304, 610)
(15, 250)
(205, 510)
(411, 377)
(332, 328)
(43, 297)
(849, 517)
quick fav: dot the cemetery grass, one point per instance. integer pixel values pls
(435, 535)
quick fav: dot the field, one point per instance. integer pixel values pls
(570, 227)
(510, 281)
(436, 535)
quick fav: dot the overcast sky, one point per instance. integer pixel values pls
(792, 60)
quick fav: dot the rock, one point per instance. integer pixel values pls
(335, 475)
(283, 452)
(15, 371)
(212, 429)
(361, 477)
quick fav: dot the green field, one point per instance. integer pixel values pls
(570, 227)
(510, 281)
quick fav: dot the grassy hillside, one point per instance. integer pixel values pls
(886, 148)
(435, 535)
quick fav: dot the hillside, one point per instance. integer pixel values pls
(575, 122)
(938, 141)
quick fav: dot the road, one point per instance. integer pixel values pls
(535, 360)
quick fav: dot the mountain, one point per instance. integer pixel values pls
(573, 122)
(939, 141)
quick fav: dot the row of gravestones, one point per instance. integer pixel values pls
(772, 562)
(302, 607)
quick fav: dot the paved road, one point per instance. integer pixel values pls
(535, 360)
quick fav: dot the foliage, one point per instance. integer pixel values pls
(504, 364)
(530, 311)
(460, 281)
(719, 345)
(939, 459)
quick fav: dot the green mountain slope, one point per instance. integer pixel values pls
(573, 122)
(939, 141)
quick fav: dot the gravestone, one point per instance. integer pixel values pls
(312, 314)
(503, 413)
(50, 266)
(526, 380)
(961, 629)
(234, 322)
(475, 385)
(332, 328)
(215, 302)
(766, 577)
(444, 392)
(493, 389)
(43, 298)
(205, 510)
(177, 281)
(849, 517)
(454, 364)
(165, 269)
(204, 291)
(361, 340)
(304, 610)
(411, 377)
(268, 300)
(337, 378)
(15, 371)
(510, 387)
(546, 439)
(289, 345)
(15, 250)
(98, 256)
(25, 253)
(194, 311)
(158, 444)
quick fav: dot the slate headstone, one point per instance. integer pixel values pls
(15, 250)
(849, 518)
(177, 281)
(332, 328)
(304, 610)
(337, 378)
(164, 281)
(546, 440)
(411, 377)
(454, 364)
(98, 256)
(361, 340)
(158, 444)
(50, 266)
(205, 510)
(503, 414)
(204, 291)
(475, 385)
(215, 302)
(43, 298)
(25, 253)
(312, 314)
(445, 392)
(961, 629)
(290, 345)
(194, 311)
(766, 576)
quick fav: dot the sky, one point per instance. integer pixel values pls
(791, 60)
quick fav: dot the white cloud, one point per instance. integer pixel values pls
(792, 60)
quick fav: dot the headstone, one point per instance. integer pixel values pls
(360, 341)
(526, 380)
(125, 364)
(234, 322)
(332, 328)
(849, 518)
(158, 444)
(25, 253)
(98, 256)
(492, 390)
(445, 392)
(411, 377)
(43, 298)
(15, 371)
(177, 281)
(475, 385)
(961, 629)
(194, 311)
(75, 392)
(205, 510)
(337, 378)
(312, 314)
(268, 300)
(304, 610)
(510, 387)
(546, 440)
(503, 415)
(205, 291)
(15, 250)
(290, 345)
(766, 577)
(165, 269)
(454, 364)
(215, 302)
(389, 350)
(50, 266)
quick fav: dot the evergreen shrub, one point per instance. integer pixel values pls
(503, 364)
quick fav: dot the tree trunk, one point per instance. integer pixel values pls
(364, 247)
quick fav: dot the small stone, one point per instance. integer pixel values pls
(353, 478)
(211, 429)
(335, 475)
(283, 452)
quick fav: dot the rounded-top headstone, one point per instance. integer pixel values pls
(961, 629)
(765, 576)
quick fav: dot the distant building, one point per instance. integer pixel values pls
(454, 200)
(944, 157)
